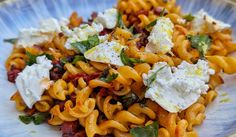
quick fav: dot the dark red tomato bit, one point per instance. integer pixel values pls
(105, 31)
(159, 10)
(29, 111)
(69, 128)
(140, 12)
(12, 75)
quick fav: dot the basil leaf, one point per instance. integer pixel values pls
(11, 41)
(32, 58)
(189, 17)
(147, 131)
(128, 100)
(93, 40)
(200, 42)
(40, 118)
(153, 76)
(81, 48)
(129, 61)
(109, 78)
(84, 46)
(78, 58)
(25, 119)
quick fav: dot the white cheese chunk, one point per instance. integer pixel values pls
(33, 36)
(33, 80)
(107, 52)
(177, 88)
(204, 23)
(160, 39)
(108, 19)
(80, 33)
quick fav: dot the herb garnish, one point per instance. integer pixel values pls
(11, 41)
(153, 23)
(109, 78)
(32, 58)
(153, 76)
(78, 58)
(129, 99)
(84, 46)
(129, 61)
(37, 118)
(189, 17)
(200, 42)
(147, 131)
(106, 77)
(120, 22)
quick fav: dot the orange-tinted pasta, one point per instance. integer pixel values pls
(80, 94)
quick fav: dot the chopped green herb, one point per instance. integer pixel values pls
(109, 78)
(120, 21)
(40, 118)
(131, 29)
(129, 61)
(36, 118)
(129, 99)
(11, 41)
(32, 58)
(78, 58)
(147, 131)
(163, 12)
(105, 73)
(64, 60)
(153, 76)
(153, 23)
(25, 119)
(200, 42)
(189, 17)
(84, 46)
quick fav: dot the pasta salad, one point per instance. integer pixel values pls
(140, 69)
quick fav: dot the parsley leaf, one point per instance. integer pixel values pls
(147, 131)
(153, 76)
(11, 41)
(84, 46)
(40, 118)
(129, 61)
(200, 42)
(106, 77)
(25, 119)
(189, 17)
(32, 58)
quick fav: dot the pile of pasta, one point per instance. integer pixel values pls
(78, 95)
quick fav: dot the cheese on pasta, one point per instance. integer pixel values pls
(204, 23)
(33, 36)
(33, 80)
(160, 39)
(107, 52)
(177, 88)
